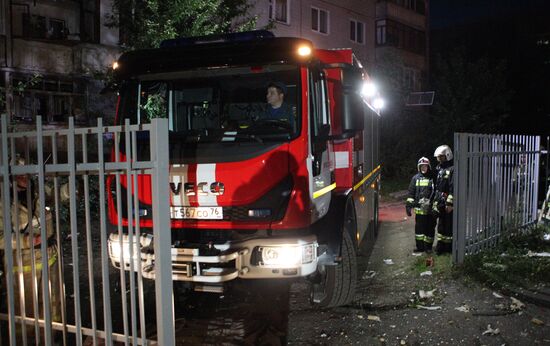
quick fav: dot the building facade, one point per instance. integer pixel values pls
(402, 36)
(68, 44)
(378, 31)
(327, 23)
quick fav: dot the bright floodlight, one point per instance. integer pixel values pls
(379, 103)
(304, 51)
(368, 89)
(115, 65)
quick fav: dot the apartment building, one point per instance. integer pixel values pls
(378, 31)
(327, 23)
(402, 36)
(67, 43)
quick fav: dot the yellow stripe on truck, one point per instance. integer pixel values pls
(358, 185)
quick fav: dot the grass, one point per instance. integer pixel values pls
(393, 184)
(508, 264)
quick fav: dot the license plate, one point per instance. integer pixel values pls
(200, 213)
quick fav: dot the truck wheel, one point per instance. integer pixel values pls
(376, 214)
(336, 283)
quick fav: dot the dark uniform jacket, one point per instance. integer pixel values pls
(444, 185)
(421, 192)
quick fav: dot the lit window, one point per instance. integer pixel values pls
(319, 20)
(357, 31)
(279, 10)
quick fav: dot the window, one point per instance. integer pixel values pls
(279, 10)
(319, 20)
(409, 78)
(34, 26)
(209, 104)
(356, 31)
(381, 32)
(418, 6)
(390, 33)
(57, 30)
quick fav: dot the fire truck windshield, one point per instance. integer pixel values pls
(229, 104)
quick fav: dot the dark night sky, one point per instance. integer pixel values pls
(445, 13)
(503, 30)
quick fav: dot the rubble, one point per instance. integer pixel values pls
(491, 331)
(463, 308)
(516, 304)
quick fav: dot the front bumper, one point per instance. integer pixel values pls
(257, 258)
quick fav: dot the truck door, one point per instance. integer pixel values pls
(320, 162)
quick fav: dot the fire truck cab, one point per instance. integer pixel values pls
(256, 192)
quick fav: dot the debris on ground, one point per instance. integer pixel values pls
(537, 322)
(538, 254)
(388, 261)
(416, 254)
(463, 308)
(426, 294)
(496, 295)
(369, 274)
(431, 308)
(426, 273)
(516, 304)
(491, 331)
(496, 266)
(373, 318)
(360, 317)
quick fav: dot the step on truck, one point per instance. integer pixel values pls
(253, 195)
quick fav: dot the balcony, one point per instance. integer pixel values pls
(389, 9)
(49, 57)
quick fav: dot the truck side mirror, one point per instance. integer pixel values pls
(353, 107)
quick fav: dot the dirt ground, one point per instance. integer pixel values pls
(389, 311)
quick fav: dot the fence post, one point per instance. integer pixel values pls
(162, 233)
(8, 251)
(459, 196)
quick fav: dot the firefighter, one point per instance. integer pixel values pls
(420, 197)
(30, 243)
(443, 200)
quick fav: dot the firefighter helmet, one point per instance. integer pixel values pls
(444, 150)
(423, 161)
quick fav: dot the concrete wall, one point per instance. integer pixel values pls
(340, 13)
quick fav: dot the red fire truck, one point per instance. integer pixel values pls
(255, 196)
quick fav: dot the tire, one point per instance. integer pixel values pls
(336, 284)
(376, 214)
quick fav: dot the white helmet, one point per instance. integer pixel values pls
(423, 161)
(444, 150)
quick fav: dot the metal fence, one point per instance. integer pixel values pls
(495, 189)
(57, 284)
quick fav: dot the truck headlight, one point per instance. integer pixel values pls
(119, 252)
(284, 256)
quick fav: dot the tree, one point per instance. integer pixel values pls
(146, 23)
(471, 96)
(404, 131)
(17, 88)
